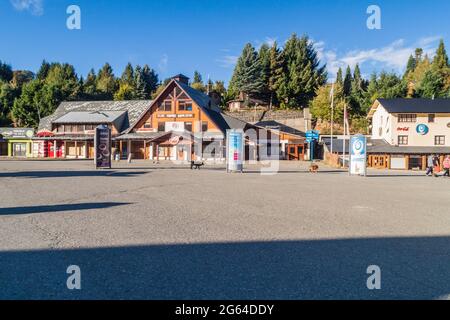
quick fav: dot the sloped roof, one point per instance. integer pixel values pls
(90, 117)
(133, 109)
(416, 105)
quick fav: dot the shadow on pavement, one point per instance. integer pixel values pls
(59, 208)
(70, 174)
(411, 268)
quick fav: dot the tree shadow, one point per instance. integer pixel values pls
(70, 174)
(411, 268)
(59, 208)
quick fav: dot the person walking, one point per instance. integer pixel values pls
(429, 165)
(446, 165)
(436, 165)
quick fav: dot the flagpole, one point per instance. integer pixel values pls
(345, 135)
(332, 115)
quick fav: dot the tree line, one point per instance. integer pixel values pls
(424, 77)
(288, 77)
(25, 97)
(285, 77)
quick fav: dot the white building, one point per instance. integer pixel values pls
(406, 131)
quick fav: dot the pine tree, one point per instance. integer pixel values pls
(151, 80)
(304, 72)
(264, 59)
(140, 85)
(247, 76)
(348, 81)
(357, 92)
(128, 75)
(440, 61)
(106, 82)
(410, 66)
(340, 77)
(6, 73)
(276, 73)
(90, 86)
(197, 82)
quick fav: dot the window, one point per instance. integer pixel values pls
(439, 140)
(407, 118)
(147, 125)
(80, 128)
(165, 106)
(402, 140)
(431, 117)
(68, 128)
(161, 126)
(60, 128)
(185, 106)
(90, 127)
(188, 126)
(204, 126)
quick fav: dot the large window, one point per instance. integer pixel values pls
(407, 118)
(402, 140)
(165, 106)
(439, 140)
(185, 106)
(161, 126)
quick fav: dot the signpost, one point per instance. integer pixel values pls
(358, 155)
(311, 137)
(235, 150)
(102, 147)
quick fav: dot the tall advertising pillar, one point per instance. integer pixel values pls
(102, 147)
(358, 155)
(235, 150)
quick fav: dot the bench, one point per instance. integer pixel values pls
(196, 165)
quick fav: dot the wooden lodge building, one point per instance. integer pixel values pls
(180, 124)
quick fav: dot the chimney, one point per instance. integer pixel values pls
(181, 78)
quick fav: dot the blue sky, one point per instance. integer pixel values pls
(207, 35)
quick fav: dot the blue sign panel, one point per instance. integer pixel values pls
(422, 129)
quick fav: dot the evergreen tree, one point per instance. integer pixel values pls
(90, 86)
(197, 83)
(431, 86)
(440, 61)
(321, 104)
(277, 73)
(357, 92)
(106, 82)
(43, 70)
(264, 60)
(247, 76)
(340, 77)
(128, 75)
(151, 80)
(347, 87)
(410, 66)
(140, 85)
(6, 73)
(304, 74)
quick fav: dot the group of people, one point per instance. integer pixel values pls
(434, 166)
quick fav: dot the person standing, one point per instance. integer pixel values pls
(446, 165)
(429, 165)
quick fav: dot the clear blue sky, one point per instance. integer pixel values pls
(207, 35)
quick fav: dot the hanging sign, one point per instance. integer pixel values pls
(102, 147)
(358, 155)
(235, 150)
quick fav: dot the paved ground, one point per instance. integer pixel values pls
(165, 232)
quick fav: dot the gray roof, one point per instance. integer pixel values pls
(95, 117)
(416, 105)
(133, 110)
(380, 146)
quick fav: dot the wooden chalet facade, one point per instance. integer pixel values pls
(181, 124)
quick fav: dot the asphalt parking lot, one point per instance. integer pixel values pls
(144, 231)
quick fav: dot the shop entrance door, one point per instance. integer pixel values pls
(20, 150)
(379, 162)
(294, 151)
